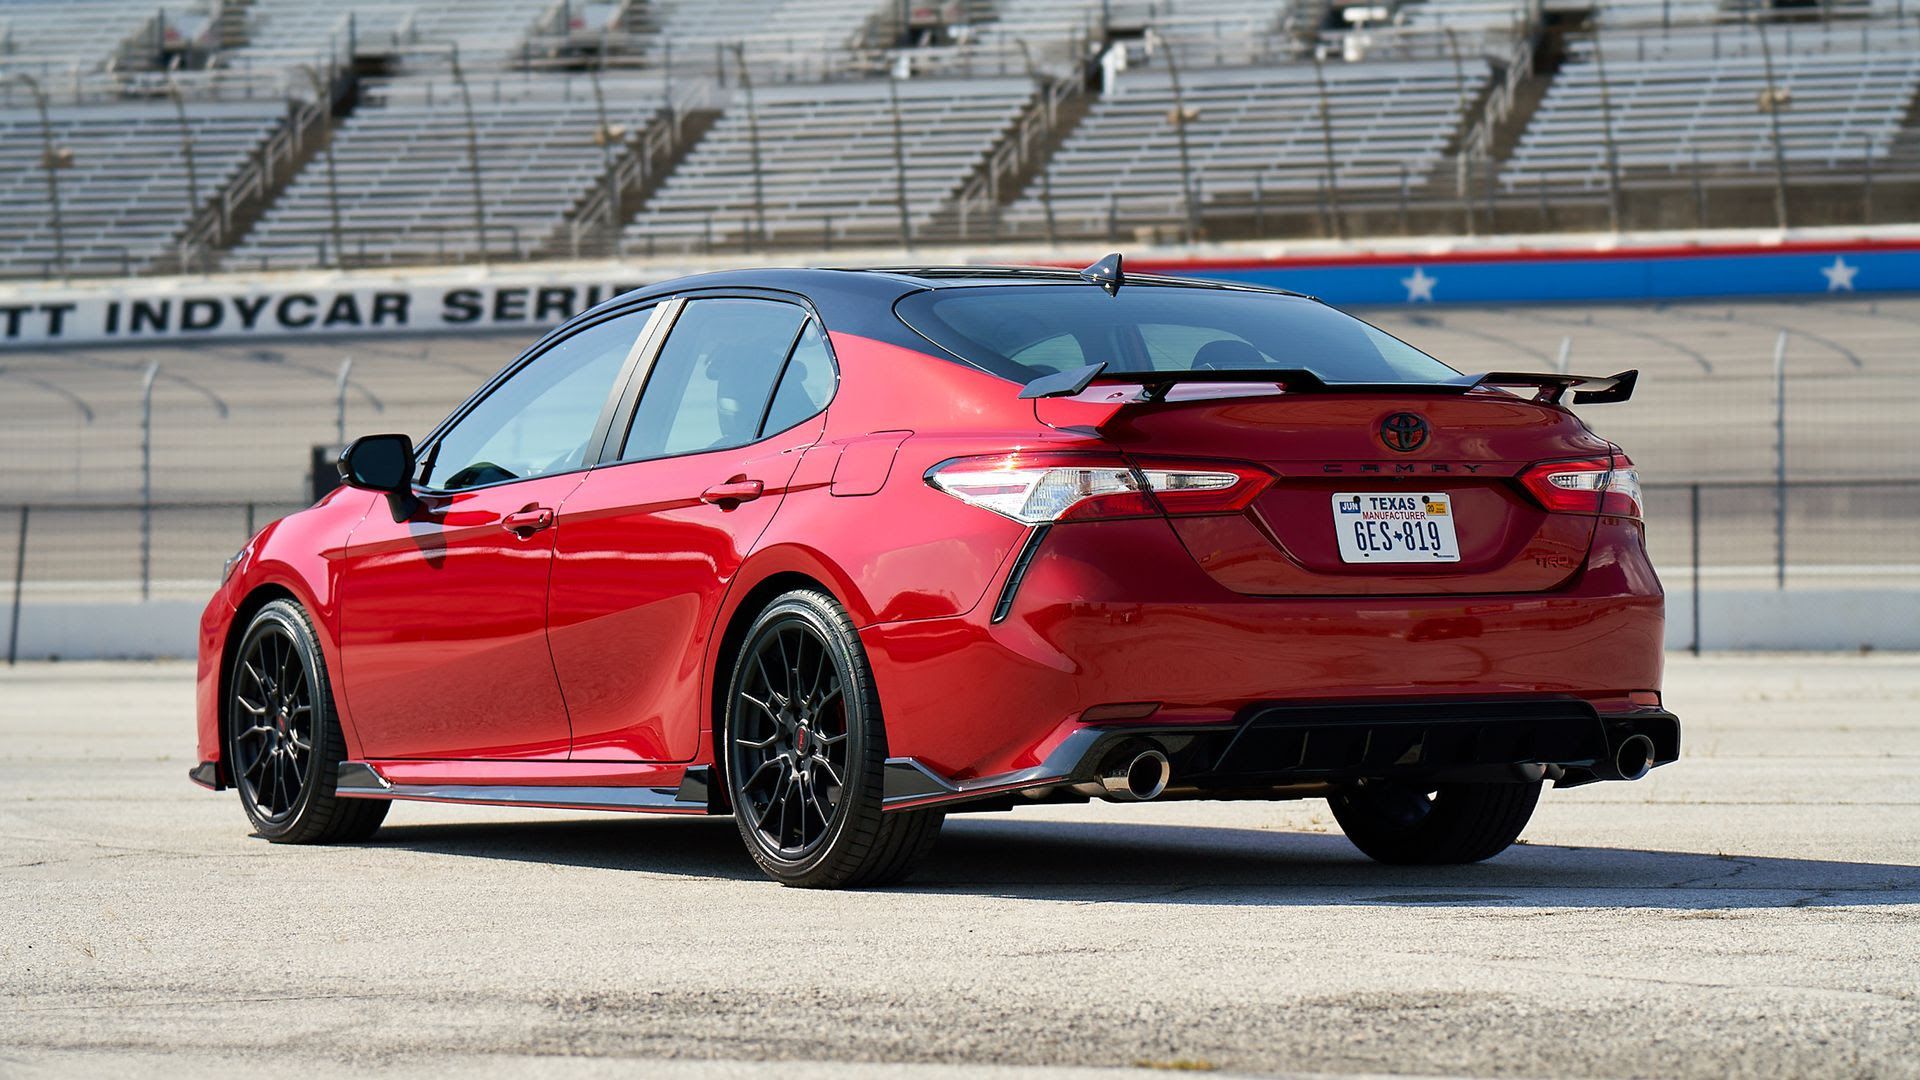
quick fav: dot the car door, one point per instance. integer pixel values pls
(650, 541)
(443, 613)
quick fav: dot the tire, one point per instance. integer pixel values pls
(284, 745)
(796, 726)
(1449, 823)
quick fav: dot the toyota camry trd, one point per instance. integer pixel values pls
(839, 552)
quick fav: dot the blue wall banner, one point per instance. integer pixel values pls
(1647, 273)
(531, 297)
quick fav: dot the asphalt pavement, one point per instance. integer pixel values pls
(1753, 910)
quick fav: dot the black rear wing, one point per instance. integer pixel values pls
(1154, 385)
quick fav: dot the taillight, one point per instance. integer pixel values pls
(1041, 488)
(1608, 486)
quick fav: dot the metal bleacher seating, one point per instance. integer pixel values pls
(1477, 16)
(125, 187)
(401, 165)
(51, 38)
(486, 33)
(1200, 31)
(805, 34)
(1679, 99)
(828, 157)
(1251, 131)
(1610, 14)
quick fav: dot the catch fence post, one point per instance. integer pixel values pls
(1406, 193)
(1693, 515)
(19, 582)
(146, 479)
(340, 385)
(1780, 460)
(1866, 186)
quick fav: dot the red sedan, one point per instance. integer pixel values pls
(838, 552)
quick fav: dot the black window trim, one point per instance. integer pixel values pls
(615, 436)
(430, 445)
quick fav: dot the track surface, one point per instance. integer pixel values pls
(1753, 910)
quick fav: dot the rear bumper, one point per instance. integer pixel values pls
(1115, 626)
(1302, 749)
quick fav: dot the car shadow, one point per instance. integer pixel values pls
(1181, 864)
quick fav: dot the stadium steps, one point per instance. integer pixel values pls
(230, 22)
(1906, 145)
(1527, 96)
(247, 195)
(1068, 112)
(572, 239)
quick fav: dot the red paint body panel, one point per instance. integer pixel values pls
(443, 628)
(1318, 444)
(641, 567)
(297, 555)
(1117, 612)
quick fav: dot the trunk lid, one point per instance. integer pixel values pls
(1323, 444)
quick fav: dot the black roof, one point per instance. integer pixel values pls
(860, 300)
(892, 282)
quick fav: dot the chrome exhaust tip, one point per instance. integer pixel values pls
(1137, 777)
(1634, 757)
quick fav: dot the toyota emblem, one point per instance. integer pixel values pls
(1404, 431)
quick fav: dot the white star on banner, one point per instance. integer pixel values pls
(1419, 286)
(1839, 275)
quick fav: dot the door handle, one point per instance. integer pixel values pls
(524, 523)
(732, 493)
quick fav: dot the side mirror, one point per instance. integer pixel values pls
(382, 463)
(379, 463)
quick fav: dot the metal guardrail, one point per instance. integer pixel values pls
(1708, 535)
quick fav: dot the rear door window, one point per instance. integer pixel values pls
(710, 387)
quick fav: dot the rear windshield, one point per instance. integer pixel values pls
(1022, 332)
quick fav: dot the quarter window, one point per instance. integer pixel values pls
(539, 421)
(805, 386)
(709, 388)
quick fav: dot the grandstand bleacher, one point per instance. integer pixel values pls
(827, 163)
(49, 39)
(1445, 104)
(487, 34)
(1248, 131)
(1694, 99)
(403, 160)
(126, 187)
(701, 29)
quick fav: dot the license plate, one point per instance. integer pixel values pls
(1382, 527)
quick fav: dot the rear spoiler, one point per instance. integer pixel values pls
(1154, 385)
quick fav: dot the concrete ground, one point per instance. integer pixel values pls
(1751, 911)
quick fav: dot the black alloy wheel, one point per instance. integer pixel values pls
(805, 753)
(272, 724)
(790, 744)
(284, 745)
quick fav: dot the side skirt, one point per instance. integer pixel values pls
(361, 780)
